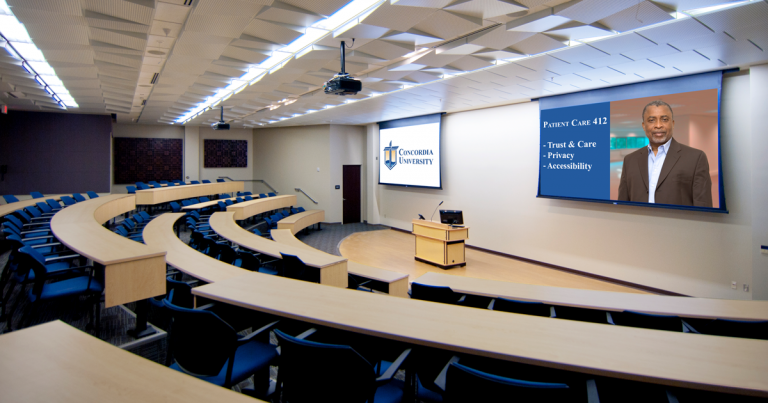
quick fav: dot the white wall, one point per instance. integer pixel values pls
(759, 182)
(192, 153)
(490, 171)
(347, 147)
(235, 173)
(295, 157)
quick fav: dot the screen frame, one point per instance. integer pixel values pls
(721, 193)
(415, 121)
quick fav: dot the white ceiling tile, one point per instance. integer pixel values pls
(486, 8)
(537, 22)
(324, 7)
(164, 28)
(387, 50)
(171, 13)
(64, 7)
(271, 32)
(222, 26)
(126, 10)
(589, 11)
(536, 44)
(644, 14)
(288, 14)
(446, 24)
(499, 38)
(399, 18)
(469, 63)
(680, 30)
(576, 31)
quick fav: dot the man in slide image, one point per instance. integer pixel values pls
(665, 171)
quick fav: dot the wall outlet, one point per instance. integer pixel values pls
(746, 287)
(733, 285)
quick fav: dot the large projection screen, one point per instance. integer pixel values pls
(650, 144)
(409, 152)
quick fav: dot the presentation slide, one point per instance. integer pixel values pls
(649, 144)
(409, 152)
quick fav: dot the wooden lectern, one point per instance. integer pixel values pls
(440, 244)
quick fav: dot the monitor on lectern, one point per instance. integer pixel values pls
(453, 217)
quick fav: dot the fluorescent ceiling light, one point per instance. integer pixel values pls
(13, 30)
(43, 68)
(704, 10)
(29, 52)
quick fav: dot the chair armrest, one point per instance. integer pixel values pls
(490, 306)
(206, 306)
(609, 318)
(37, 237)
(306, 333)
(264, 328)
(592, 395)
(45, 244)
(440, 380)
(552, 313)
(36, 231)
(53, 259)
(386, 376)
(688, 328)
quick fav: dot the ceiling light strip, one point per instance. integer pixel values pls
(356, 9)
(19, 45)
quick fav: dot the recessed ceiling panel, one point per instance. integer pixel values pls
(399, 18)
(126, 10)
(644, 14)
(536, 44)
(589, 11)
(445, 24)
(486, 8)
(499, 38)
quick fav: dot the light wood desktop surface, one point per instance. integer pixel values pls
(333, 269)
(252, 207)
(299, 221)
(398, 282)
(159, 234)
(9, 208)
(604, 300)
(133, 271)
(678, 359)
(214, 203)
(172, 193)
(55, 362)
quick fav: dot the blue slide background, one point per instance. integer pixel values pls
(592, 184)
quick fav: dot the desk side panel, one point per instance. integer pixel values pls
(134, 280)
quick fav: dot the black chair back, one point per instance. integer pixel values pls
(311, 371)
(294, 268)
(181, 295)
(648, 321)
(521, 307)
(227, 254)
(434, 293)
(202, 342)
(464, 384)
(581, 314)
(250, 262)
(736, 328)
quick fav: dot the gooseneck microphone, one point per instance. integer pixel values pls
(433, 213)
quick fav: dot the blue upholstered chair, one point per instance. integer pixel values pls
(312, 371)
(204, 346)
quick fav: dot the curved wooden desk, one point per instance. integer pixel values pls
(172, 193)
(212, 203)
(397, 282)
(604, 300)
(250, 208)
(9, 208)
(79, 368)
(333, 269)
(299, 221)
(133, 271)
(678, 359)
(160, 234)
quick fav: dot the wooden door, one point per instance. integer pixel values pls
(351, 194)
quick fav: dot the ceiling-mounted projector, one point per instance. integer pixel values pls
(220, 125)
(342, 83)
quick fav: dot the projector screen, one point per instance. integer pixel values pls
(409, 152)
(653, 144)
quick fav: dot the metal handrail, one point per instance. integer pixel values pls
(305, 194)
(250, 180)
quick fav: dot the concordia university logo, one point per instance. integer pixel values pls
(390, 156)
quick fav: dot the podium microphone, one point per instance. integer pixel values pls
(433, 213)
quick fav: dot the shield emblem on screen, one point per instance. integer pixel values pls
(390, 155)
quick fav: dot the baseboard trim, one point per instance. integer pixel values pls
(567, 270)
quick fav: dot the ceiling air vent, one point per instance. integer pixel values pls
(187, 2)
(154, 78)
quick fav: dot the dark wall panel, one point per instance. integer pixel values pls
(54, 152)
(147, 159)
(225, 153)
